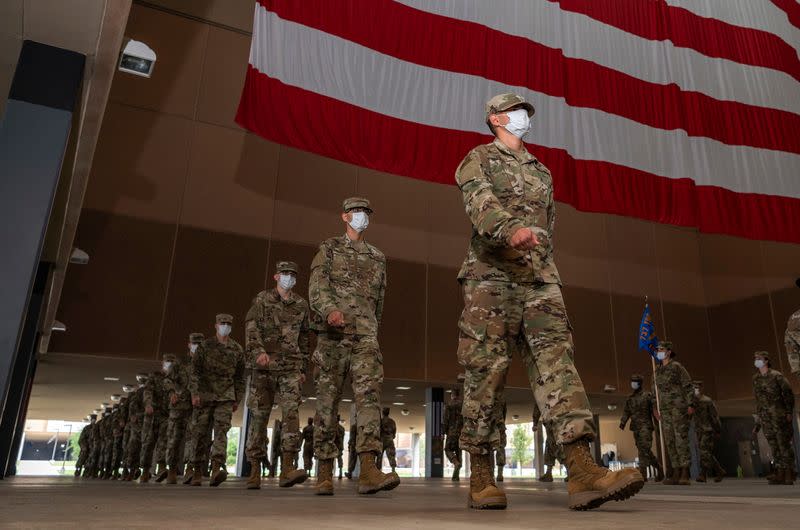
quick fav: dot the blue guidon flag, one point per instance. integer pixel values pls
(647, 333)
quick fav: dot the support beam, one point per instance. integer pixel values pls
(434, 436)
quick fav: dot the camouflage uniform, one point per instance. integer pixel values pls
(275, 449)
(340, 448)
(792, 340)
(135, 418)
(640, 408)
(154, 426)
(677, 395)
(191, 437)
(500, 448)
(508, 293)
(218, 380)
(278, 328)
(352, 454)
(774, 401)
(176, 383)
(707, 427)
(348, 276)
(117, 434)
(552, 450)
(85, 444)
(308, 446)
(388, 432)
(452, 423)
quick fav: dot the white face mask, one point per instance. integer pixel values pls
(166, 365)
(759, 363)
(224, 330)
(519, 123)
(661, 355)
(193, 347)
(286, 281)
(635, 385)
(359, 221)
(696, 391)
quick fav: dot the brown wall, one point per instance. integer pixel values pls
(186, 214)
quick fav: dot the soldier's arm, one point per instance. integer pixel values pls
(381, 294)
(196, 372)
(688, 388)
(714, 413)
(792, 340)
(147, 395)
(303, 342)
(446, 418)
(485, 212)
(786, 393)
(321, 295)
(626, 414)
(239, 377)
(253, 341)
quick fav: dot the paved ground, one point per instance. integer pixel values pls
(38, 502)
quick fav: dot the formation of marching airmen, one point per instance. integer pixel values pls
(178, 418)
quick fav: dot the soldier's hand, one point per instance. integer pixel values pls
(263, 359)
(690, 411)
(302, 379)
(336, 319)
(657, 414)
(235, 406)
(173, 399)
(524, 239)
(195, 401)
(148, 410)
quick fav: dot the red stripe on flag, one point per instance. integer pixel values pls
(657, 20)
(792, 10)
(459, 46)
(332, 128)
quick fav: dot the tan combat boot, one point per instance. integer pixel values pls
(788, 477)
(719, 473)
(290, 475)
(778, 477)
(483, 492)
(254, 480)
(702, 476)
(547, 477)
(188, 474)
(197, 475)
(372, 480)
(672, 477)
(659, 472)
(683, 480)
(456, 473)
(161, 472)
(145, 478)
(218, 474)
(324, 477)
(172, 476)
(591, 485)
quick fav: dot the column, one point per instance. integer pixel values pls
(434, 436)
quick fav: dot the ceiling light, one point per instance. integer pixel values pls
(312, 398)
(111, 379)
(346, 400)
(398, 404)
(59, 326)
(79, 257)
(403, 387)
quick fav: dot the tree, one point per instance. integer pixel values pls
(233, 446)
(520, 443)
(74, 450)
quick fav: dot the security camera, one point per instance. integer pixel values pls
(79, 257)
(405, 412)
(137, 58)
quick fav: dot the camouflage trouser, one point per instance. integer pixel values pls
(644, 445)
(220, 413)
(495, 315)
(675, 423)
(94, 455)
(107, 452)
(451, 449)
(176, 435)
(134, 447)
(308, 455)
(552, 450)
(337, 356)
(778, 433)
(500, 457)
(390, 450)
(83, 456)
(260, 398)
(154, 431)
(116, 452)
(340, 460)
(352, 458)
(275, 448)
(706, 441)
(190, 446)
(126, 435)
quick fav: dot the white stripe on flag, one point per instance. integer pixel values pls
(582, 37)
(319, 62)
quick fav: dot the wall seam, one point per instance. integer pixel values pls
(771, 305)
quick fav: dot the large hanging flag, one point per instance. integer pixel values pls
(648, 341)
(682, 112)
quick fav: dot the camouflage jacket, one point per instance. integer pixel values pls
(155, 394)
(280, 328)
(774, 396)
(675, 386)
(504, 191)
(85, 437)
(308, 434)
(218, 371)
(177, 382)
(452, 420)
(118, 425)
(124, 405)
(136, 406)
(388, 427)
(339, 440)
(706, 417)
(639, 408)
(792, 340)
(107, 428)
(349, 277)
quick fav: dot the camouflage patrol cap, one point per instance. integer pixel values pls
(356, 202)
(697, 383)
(224, 318)
(129, 386)
(637, 377)
(93, 416)
(503, 102)
(169, 357)
(196, 337)
(763, 354)
(286, 266)
(115, 398)
(665, 344)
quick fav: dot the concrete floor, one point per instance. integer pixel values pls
(28, 502)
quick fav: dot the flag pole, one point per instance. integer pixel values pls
(658, 407)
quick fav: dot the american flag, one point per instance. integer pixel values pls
(684, 112)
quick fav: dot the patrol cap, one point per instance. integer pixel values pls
(697, 383)
(196, 337)
(286, 266)
(169, 357)
(637, 377)
(763, 354)
(503, 102)
(356, 202)
(224, 318)
(128, 387)
(93, 416)
(665, 344)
